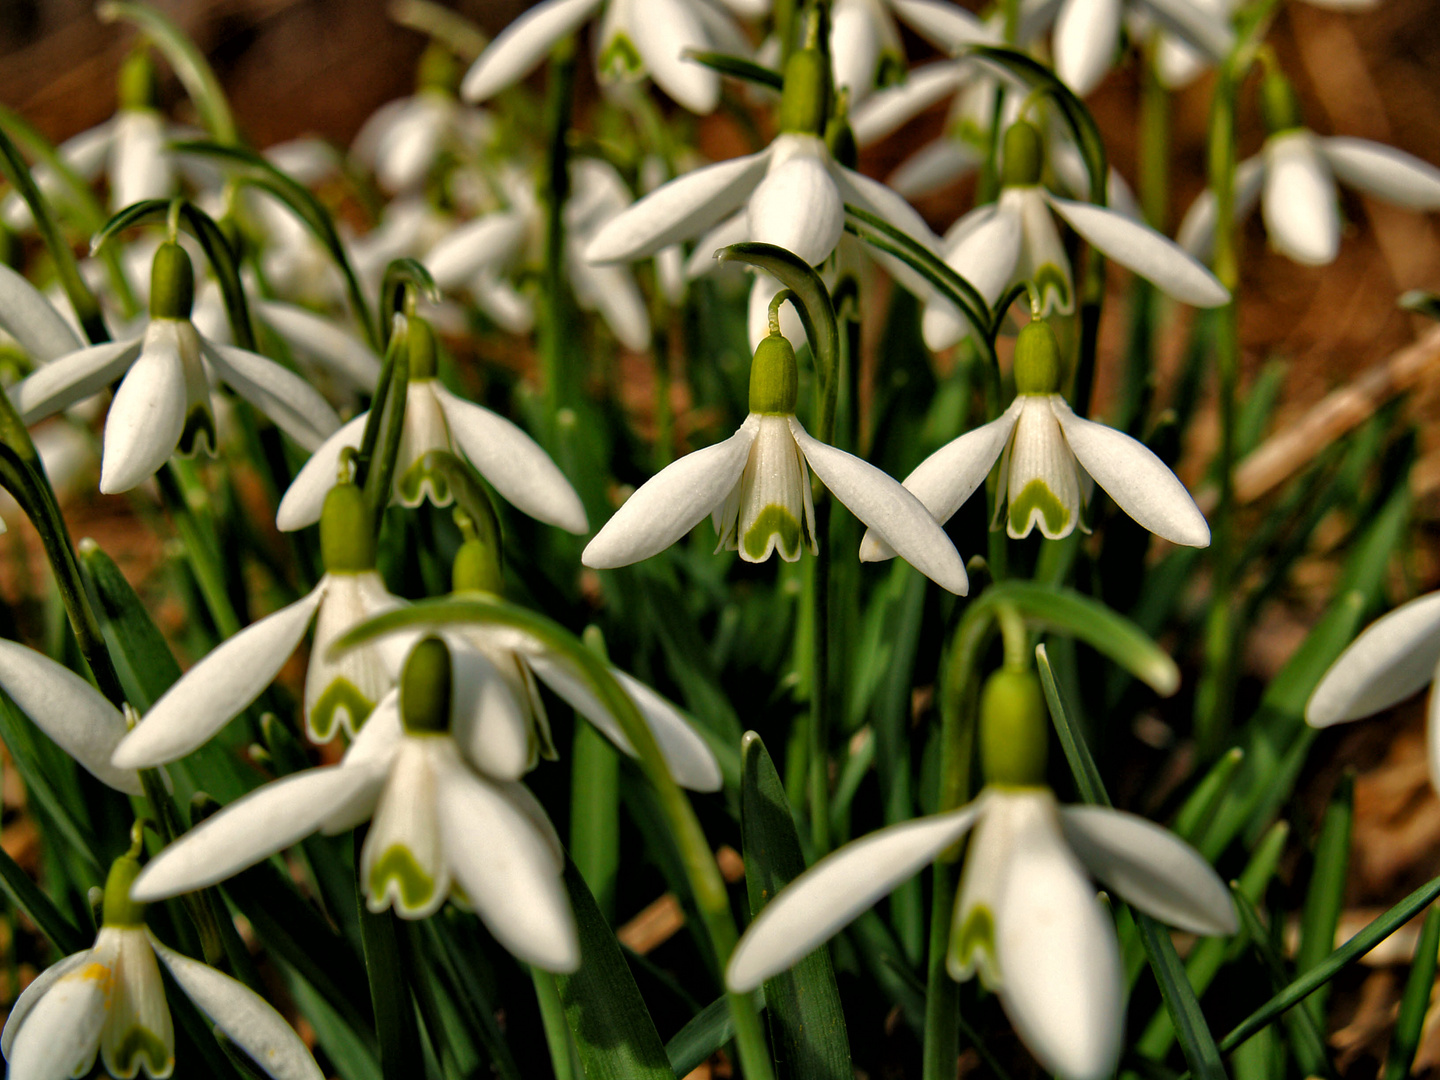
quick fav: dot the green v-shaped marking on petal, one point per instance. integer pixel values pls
(398, 864)
(340, 697)
(1038, 496)
(774, 520)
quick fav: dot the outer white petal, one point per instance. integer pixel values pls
(71, 378)
(1087, 35)
(1139, 482)
(878, 199)
(942, 162)
(1197, 231)
(243, 1015)
(1150, 867)
(336, 348)
(948, 26)
(1392, 659)
(944, 480)
(69, 710)
(1197, 24)
(1058, 957)
(139, 164)
(218, 688)
(1144, 251)
(886, 110)
(62, 1029)
(408, 148)
(490, 724)
(485, 243)
(828, 896)
(296, 407)
(507, 868)
(1384, 171)
(797, 206)
(983, 247)
(895, 514)
(513, 463)
(662, 35)
(612, 291)
(687, 755)
(522, 45)
(305, 497)
(1299, 205)
(856, 41)
(32, 994)
(679, 210)
(254, 827)
(673, 502)
(505, 305)
(32, 320)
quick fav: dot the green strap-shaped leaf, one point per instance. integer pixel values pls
(737, 67)
(1415, 1001)
(1325, 898)
(28, 897)
(708, 1030)
(807, 1023)
(611, 1026)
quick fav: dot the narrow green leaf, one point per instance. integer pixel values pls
(142, 658)
(1415, 1002)
(395, 1024)
(1195, 813)
(352, 1059)
(611, 1026)
(807, 1023)
(595, 813)
(706, 1032)
(28, 897)
(737, 67)
(1082, 765)
(1326, 895)
(1190, 1027)
(379, 452)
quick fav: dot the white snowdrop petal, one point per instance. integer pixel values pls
(486, 243)
(1393, 658)
(1197, 232)
(71, 378)
(1150, 867)
(513, 463)
(855, 46)
(932, 167)
(886, 110)
(254, 827)
(402, 864)
(296, 407)
(341, 691)
(983, 247)
(945, 25)
(338, 349)
(1087, 35)
(827, 897)
(1057, 952)
(75, 715)
(249, 1021)
(522, 45)
(1041, 486)
(662, 35)
(506, 306)
(896, 515)
(612, 291)
(507, 868)
(32, 320)
(62, 1030)
(1143, 250)
(218, 688)
(1302, 217)
(672, 503)
(797, 206)
(140, 166)
(1384, 171)
(679, 210)
(410, 145)
(490, 723)
(31, 995)
(147, 415)
(948, 477)
(1203, 29)
(1139, 482)
(1042, 260)
(305, 497)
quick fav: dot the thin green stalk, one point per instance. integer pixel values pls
(555, 349)
(557, 1029)
(183, 495)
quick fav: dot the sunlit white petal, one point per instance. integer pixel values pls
(305, 497)
(932, 167)
(522, 45)
(338, 349)
(402, 864)
(296, 407)
(1087, 35)
(139, 165)
(61, 1034)
(1299, 205)
(1394, 657)
(1384, 171)
(797, 205)
(885, 111)
(31, 995)
(71, 378)
(487, 242)
(490, 723)
(32, 320)
(662, 35)
(945, 25)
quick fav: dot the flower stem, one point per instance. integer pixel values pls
(555, 326)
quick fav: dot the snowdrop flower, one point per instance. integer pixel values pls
(1042, 447)
(435, 419)
(340, 692)
(637, 37)
(1396, 656)
(755, 487)
(1026, 917)
(1293, 178)
(441, 826)
(109, 1001)
(1015, 240)
(1087, 35)
(163, 404)
(35, 324)
(865, 43)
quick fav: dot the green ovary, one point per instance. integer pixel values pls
(340, 694)
(139, 1046)
(774, 521)
(1038, 496)
(399, 865)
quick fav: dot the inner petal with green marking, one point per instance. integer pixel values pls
(340, 703)
(398, 873)
(425, 429)
(775, 511)
(972, 943)
(1042, 486)
(403, 862)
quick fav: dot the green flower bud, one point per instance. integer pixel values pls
(137, 86)
(1037, 359)
(477, 568)
(1279, 107)
(1023, 156)
(421, 342)
(425, 688)
(1013, 736)
(347, 537)
(119, 909)
(438, 69)
(172, 283)
(774, 377)
(805, 99)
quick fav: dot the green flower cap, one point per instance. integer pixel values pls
(425, 688)
(1037, 359)
(1279, 107)
(119, 909)
(1013, 737)
(420, 340)
(138, 86)
(774, 377)
(805, 96)
(478, 565)
(438, 69)
(347, 535)
(172, 283)
(1023, 155)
